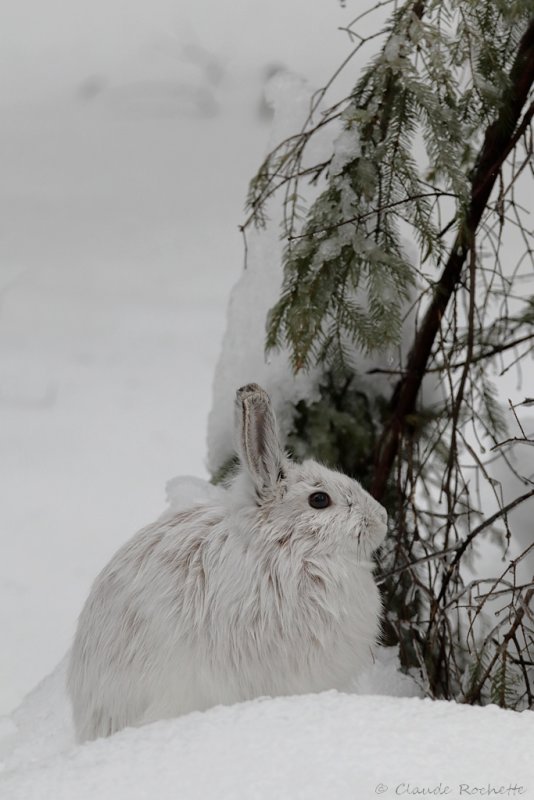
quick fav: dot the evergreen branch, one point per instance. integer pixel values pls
(496, 147)
(372, 212)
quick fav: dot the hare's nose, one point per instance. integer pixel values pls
(380, 516)
(378, 510)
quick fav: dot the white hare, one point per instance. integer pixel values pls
(267, 591)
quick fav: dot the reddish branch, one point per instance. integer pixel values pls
(501, 136)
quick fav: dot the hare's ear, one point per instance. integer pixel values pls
(257, 434)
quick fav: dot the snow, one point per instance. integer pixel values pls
(346, 148)
(242, 358)
(186, 491)
(392, 49)
(40, 727)
(384, 677)
(329, 745)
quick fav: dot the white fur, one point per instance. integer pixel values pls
(258, 595)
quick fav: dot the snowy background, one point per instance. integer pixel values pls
(128, 133)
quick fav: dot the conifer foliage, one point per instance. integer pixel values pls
(431, 144)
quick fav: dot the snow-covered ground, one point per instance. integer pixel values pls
(328, 746)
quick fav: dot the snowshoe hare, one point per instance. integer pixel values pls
(267, 591)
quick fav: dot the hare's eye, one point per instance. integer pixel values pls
(319, 500)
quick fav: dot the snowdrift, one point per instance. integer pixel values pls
(322, 746)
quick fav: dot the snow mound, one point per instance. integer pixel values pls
(185, 491)
(243, 358)
(315, 746)
(40, 727)
(384, 677)
(323, 746)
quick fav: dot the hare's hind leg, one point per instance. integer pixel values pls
(99, 722)
(96, 725)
